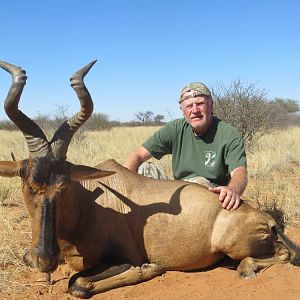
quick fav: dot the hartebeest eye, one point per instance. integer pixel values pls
(33, 190)
(29, 189)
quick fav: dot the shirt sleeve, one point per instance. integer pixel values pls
(160, 143)
(235, 156)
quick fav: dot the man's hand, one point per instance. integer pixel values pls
(228, 196)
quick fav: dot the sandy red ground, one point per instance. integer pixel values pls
(276, 282)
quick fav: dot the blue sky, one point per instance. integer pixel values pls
(147, 50)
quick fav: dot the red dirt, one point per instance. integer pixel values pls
(276, 282)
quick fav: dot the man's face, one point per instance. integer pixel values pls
(197, 111)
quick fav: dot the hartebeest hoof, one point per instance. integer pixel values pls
(247, 268)
(81, 288)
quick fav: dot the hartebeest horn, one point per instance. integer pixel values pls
(65, 132)
(35, 138)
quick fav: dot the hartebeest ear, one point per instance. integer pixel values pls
(81, 172)
(10, 168)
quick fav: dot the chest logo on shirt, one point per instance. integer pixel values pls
(210, 157)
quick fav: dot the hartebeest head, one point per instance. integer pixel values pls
(46, 174)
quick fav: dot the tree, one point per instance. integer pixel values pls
(144, 116)
(61, 114)
(158, 118)
(246, 107)
(47, 124)
(7, 125)
(289, 105)
(98, 121)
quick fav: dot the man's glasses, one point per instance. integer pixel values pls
(191, 101)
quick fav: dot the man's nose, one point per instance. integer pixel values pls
(195, 108)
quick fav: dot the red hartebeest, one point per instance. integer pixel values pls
(118, 228)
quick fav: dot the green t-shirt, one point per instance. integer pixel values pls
(213, 156)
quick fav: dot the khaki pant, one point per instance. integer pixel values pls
(200, 180)
(152, 170)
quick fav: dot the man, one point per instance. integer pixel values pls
(201, 146)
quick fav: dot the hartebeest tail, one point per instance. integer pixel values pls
(293, 249)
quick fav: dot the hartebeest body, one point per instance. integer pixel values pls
(118, 228)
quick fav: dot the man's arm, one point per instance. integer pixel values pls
(136, 158)
(239, 180)
(230, 194)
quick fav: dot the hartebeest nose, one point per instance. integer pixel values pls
(45, 262)
(46, 259)
(45, 253)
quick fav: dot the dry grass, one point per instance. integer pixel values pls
(14, 238)
(279, 151)
(274, 171)
(116, 143)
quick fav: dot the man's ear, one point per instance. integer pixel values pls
(10, 168)
(81, 172)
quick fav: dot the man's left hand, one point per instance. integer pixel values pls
(228, 196)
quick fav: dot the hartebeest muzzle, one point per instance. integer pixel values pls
(44, 254)
(46, 250)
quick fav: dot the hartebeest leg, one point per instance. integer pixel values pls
(249, 265)
(114, 277)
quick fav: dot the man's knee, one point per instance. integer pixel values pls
(151, 170)
(200, 180)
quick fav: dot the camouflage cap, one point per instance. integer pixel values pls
(200, 87)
